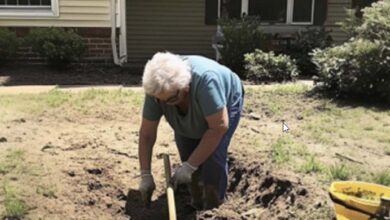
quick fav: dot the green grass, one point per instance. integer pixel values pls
(382, 178)
(46, 191)
(14, 106)
(14, 206)
(12, 160)
(290, 89)
(280, 150)
(312, 165)
(340, 172)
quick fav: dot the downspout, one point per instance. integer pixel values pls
(113, 32)
(122, 32)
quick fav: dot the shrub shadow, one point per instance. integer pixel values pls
(74, 75)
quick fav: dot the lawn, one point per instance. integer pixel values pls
(74, 155)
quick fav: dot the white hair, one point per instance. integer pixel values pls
(165, 72)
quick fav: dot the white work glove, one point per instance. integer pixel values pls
(146, 187)
(183, 174)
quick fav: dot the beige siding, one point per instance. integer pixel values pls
(72, 13)
(173, 25)
(337, 13)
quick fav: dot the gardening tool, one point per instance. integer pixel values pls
(169, 189)
(355, 200)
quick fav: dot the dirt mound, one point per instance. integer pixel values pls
(253, 193)
(256, 193)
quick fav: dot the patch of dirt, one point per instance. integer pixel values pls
(92, 163)
(255, 192)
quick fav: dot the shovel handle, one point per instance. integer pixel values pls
(169, 189)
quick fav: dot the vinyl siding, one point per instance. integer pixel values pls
(337, 13)
(166, 25)
(80, 13)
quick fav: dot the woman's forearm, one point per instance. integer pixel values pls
(208, 144)
(145, 150)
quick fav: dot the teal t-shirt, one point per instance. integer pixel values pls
(213, 86)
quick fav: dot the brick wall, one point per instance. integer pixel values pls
(97, 42)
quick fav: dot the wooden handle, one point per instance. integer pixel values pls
(169, 191)
(171, 203)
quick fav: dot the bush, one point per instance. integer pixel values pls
(376, 22)
(8, 44)
(360, 68)
(304, 44)
(240, 37)
(263, 66)
(58, 46)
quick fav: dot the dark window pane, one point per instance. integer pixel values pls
(23, 2)
(2, 2)
(11, 2)
(268, 10)
(46, 2)
(211, 13)
(230, 8)
(302, 10)
(35, 2)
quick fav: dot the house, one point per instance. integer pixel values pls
(129, 32)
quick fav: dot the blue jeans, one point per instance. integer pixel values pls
(214, 171)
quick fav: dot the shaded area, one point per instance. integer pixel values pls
(87, 74)
(346, 101)
(158, 209)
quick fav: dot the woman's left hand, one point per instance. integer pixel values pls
(183, 174)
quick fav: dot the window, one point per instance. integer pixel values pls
(25, 3)
(300, 12)
(28, 8)
(273, 11)
(269, 11)
(303, 11)
(230, 8)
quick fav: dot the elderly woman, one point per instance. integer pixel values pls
(202, 101)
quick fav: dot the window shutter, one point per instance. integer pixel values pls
(211, 13)
(320, 11)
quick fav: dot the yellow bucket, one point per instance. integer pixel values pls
(356, 200)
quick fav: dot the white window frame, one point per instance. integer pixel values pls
(290, 10)
(33, 11)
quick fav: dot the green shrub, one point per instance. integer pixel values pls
(58, 46)
(262, 66)
(8, 44)
(376, 22)
(360, 69)
(305, 42)
(240, 37)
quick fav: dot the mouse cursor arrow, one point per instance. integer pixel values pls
(285, 128)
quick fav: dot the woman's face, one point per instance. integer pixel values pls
(172, 97)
